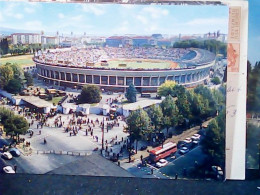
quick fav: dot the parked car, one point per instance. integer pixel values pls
(187, 140)
(7, 155)
(195, 142)
(161, 163)
(184, 150)
(15, 152)
(8, 169)
(195, 136)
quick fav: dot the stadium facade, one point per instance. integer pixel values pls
(190, 72)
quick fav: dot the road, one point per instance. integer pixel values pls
(186, 161)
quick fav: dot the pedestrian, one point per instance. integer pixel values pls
(40, 132)
(118, 163)
(176, 176)
(141, 157)
(151, 171)
(15, 168)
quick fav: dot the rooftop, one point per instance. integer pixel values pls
(92, 165)
(35, 101)
(141, 104)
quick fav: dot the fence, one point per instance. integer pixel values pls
(71, 153)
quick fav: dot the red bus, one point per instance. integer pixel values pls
(162, 152)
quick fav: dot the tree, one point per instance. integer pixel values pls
(131, 93)
(4, 46)
(206, 94)
(215, 81)
(29, 78)
(253, 88)
(17, 70)
(214, 46)
(178, 91)
(14, 86)
(6, 74)
(199, 107)
(16, 124)
(214, 142)
(90, 94)
(138, 123)
(182, 101)
(13, 123)
(166, 88)
(156, 116)
(170, 112)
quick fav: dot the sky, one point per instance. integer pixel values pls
(111, 19)
(254, 31)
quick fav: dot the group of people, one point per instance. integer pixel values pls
(86, 56)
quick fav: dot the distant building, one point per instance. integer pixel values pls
(49, 40)
(97, 40)
(115, 41)
(26, 38)
(66, 44)
(140, 41)
(157, 36)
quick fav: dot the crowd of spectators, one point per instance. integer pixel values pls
(87, 56)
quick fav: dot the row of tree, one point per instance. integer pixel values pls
(214, 142)
(214, 46)
(29, 48)
(181, 108)
(12, 78)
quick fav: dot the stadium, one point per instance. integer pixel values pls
(113, 69)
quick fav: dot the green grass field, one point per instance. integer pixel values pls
(22, 60)
(56, 100)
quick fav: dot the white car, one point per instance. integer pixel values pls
(196, 136)
(7, 155)
(8, 169)
(188, 140)
(161, 163)
(195, 141)
(184, 150)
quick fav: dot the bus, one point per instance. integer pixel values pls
(162, 152)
